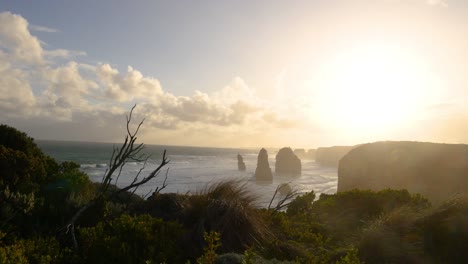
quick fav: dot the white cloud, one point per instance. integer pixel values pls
(43, 29)
(66, 87)
(63, 53)
(17, 41)
(16, 96)
(129, 86)
(44, 88)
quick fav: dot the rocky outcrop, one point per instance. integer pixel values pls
(284, 189)
(437, 171)
(240, 163)
(330, 156)
(263, 171)
(305, 154)
(287, 163)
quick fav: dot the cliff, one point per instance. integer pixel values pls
(330, 156)
(437, 171)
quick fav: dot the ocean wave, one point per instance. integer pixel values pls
(93, 165)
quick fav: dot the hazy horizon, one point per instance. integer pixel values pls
(240, 74)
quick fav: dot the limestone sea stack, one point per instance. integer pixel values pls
(436, 171)
(240, 163)
(263, 171)
(287, 163)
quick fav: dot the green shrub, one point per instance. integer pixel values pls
(43, 250)
(130, 239)
(345, 213)
(445, 231)
(14, 139)
(301, 204)
(209, 251)
(393, 237)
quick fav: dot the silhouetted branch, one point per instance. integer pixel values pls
(282, 202)
(128, 151)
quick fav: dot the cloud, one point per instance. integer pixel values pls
(229, 106)
(66, 87)
(63, 53)
(52, 95)
(16, 96)
(43, 29)
(17, 41)
(129, 86)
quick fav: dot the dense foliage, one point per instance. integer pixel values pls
(221, 224)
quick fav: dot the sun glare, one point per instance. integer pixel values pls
(373, 87)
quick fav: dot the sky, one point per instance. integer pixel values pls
(236, 73)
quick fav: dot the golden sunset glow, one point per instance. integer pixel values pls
(302, 74)
(375, 86)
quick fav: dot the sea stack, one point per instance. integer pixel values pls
(263, 171)
(287, 163)
(240, 163)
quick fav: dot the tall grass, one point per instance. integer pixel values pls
(228, 208)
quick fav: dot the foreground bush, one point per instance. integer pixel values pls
(230, 209)
(132, 239)
(34, 250)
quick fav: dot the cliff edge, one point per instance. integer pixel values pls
(436, 171)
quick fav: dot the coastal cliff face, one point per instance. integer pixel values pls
(330, 156)
(287, 163)
(436, 171)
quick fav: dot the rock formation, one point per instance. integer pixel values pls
(300, 153)
(263, 171)
(305, 154)
(311, 154)
(331, 156)
(437, 171)
(287, 163)
(284, 189)
(240, 163)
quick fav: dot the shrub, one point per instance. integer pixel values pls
(393, 237)
(130, 239)
(301, 204)
(209, 251)
(35, 250)
(14, 139)
(445, 231)
(345, 213)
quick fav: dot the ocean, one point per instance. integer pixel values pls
(191, 169)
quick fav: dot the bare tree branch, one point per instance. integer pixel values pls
(128, 151)
(284, 201)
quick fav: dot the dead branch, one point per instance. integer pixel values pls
(128, 151)
(285, 201)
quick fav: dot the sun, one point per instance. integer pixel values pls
(373, 87)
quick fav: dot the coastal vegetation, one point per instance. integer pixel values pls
(40, 199)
